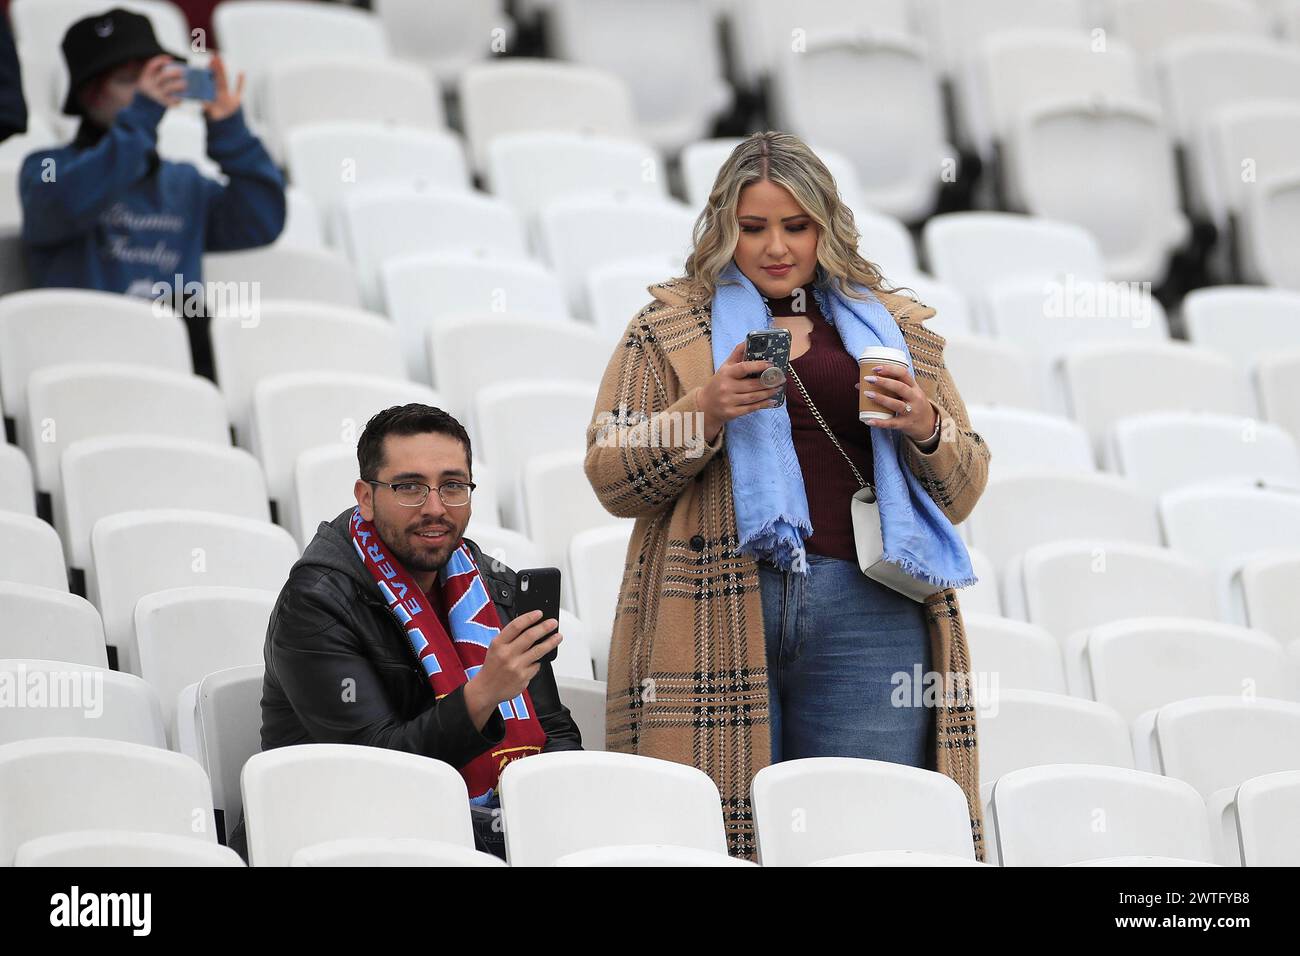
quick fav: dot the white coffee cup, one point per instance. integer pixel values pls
(871, 357)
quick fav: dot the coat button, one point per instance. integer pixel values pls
(697, 543)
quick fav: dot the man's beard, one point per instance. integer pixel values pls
(398, 539)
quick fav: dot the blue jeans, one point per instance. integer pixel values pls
(835, 642)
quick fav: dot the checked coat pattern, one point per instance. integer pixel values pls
(687, 667)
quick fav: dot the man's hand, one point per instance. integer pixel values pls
(162, 79)
(226, 100)
(513, 660)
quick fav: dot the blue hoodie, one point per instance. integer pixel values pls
(113, 216)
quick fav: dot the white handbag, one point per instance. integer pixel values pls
(867, 536)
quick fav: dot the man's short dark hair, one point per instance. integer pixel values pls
(413, 419)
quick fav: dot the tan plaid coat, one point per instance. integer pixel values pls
(687, 665)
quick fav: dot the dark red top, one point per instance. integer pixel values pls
(828, 372)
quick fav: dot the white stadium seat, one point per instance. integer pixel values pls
(1279, 399)
(596, 560)
(53, 326)
(383, 224)
(228, 723)
(1157, 376)
(1150, 25)
(139, 553)
(1270, 210)
(617, 291)
(17, 492)
(820, 807)
(67, 403)
(530, 169)
(519, 94)
(44, 786)
(1108, 165)
(898, 153)
(1165, 450)
(285, 272)
(1049, 816)
(1031, 441)
(445, 36)
(356, 792)
(995, 373)
(626, 800)
(558, 503)
(1019, 655)
(390, 851)
(585, 700)
(1270, 601)
(1270, 829)
(34, 554)
(421, 289)
(298, 337)
(185, 634)
(79, 701)
(113, 848)
(50, 625)
(1245, 323)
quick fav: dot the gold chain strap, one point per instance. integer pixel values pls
(826, 428)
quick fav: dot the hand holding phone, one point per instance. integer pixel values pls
(770, 345)
(539, 590)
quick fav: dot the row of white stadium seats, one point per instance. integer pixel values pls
(372, 806)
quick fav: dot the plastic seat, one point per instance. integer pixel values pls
(185, 634)
(585, 700)
(1150, 25)
(113, 848)
(1108, 165)
(55, 326)
(70, 402)
(386, 224)
(298, 411)
(558, 503)
(142, 552)
(1068, 586)
(34, 555)
(287, 272)
(1237, 321)
(1269, 832)
(1027, 441)
(228, 727)
(1270, 601)
(958, 28)
(846, 805)
(298, 337)
(50, 625)
(1023, 656)
(445, 36)
(817, 96)
(1278, 397)
(511, 548)
(982, 597)
(1144, 663)
(953, 313)
(557, 418)
(885, 241)
(579, 233)
(994, 373)
(1048, 816)
(596, 561)
(531, 169)
(649, 855)
(467, 355)
(61, 699)
(17, 493)
(702, 160)
(627, 800)
(521, 93)
(357, 792)
(972, 251)
(391, 851)
(617, 291)
(331, 160)
(1166, 450)
(44, 785)
(422, 289)
(1269, 211)
(1158, 377)
(1095, 507)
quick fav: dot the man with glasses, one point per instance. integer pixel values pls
(394, 630)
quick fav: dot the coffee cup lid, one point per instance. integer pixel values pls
(883, 352)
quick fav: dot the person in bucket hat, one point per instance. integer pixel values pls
(106, 213)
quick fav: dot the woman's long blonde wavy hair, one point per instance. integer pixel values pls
(787, 161)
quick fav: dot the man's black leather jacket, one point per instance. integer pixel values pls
(340, 669)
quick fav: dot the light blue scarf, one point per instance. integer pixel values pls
(767, 483)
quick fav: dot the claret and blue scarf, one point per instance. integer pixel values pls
(767, 482)
(450, 660)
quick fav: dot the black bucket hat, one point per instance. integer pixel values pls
(98, 43)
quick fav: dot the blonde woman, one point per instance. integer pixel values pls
(746, 632)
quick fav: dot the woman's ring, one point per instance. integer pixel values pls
(907, 408)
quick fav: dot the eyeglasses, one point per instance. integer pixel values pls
(413, 494)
